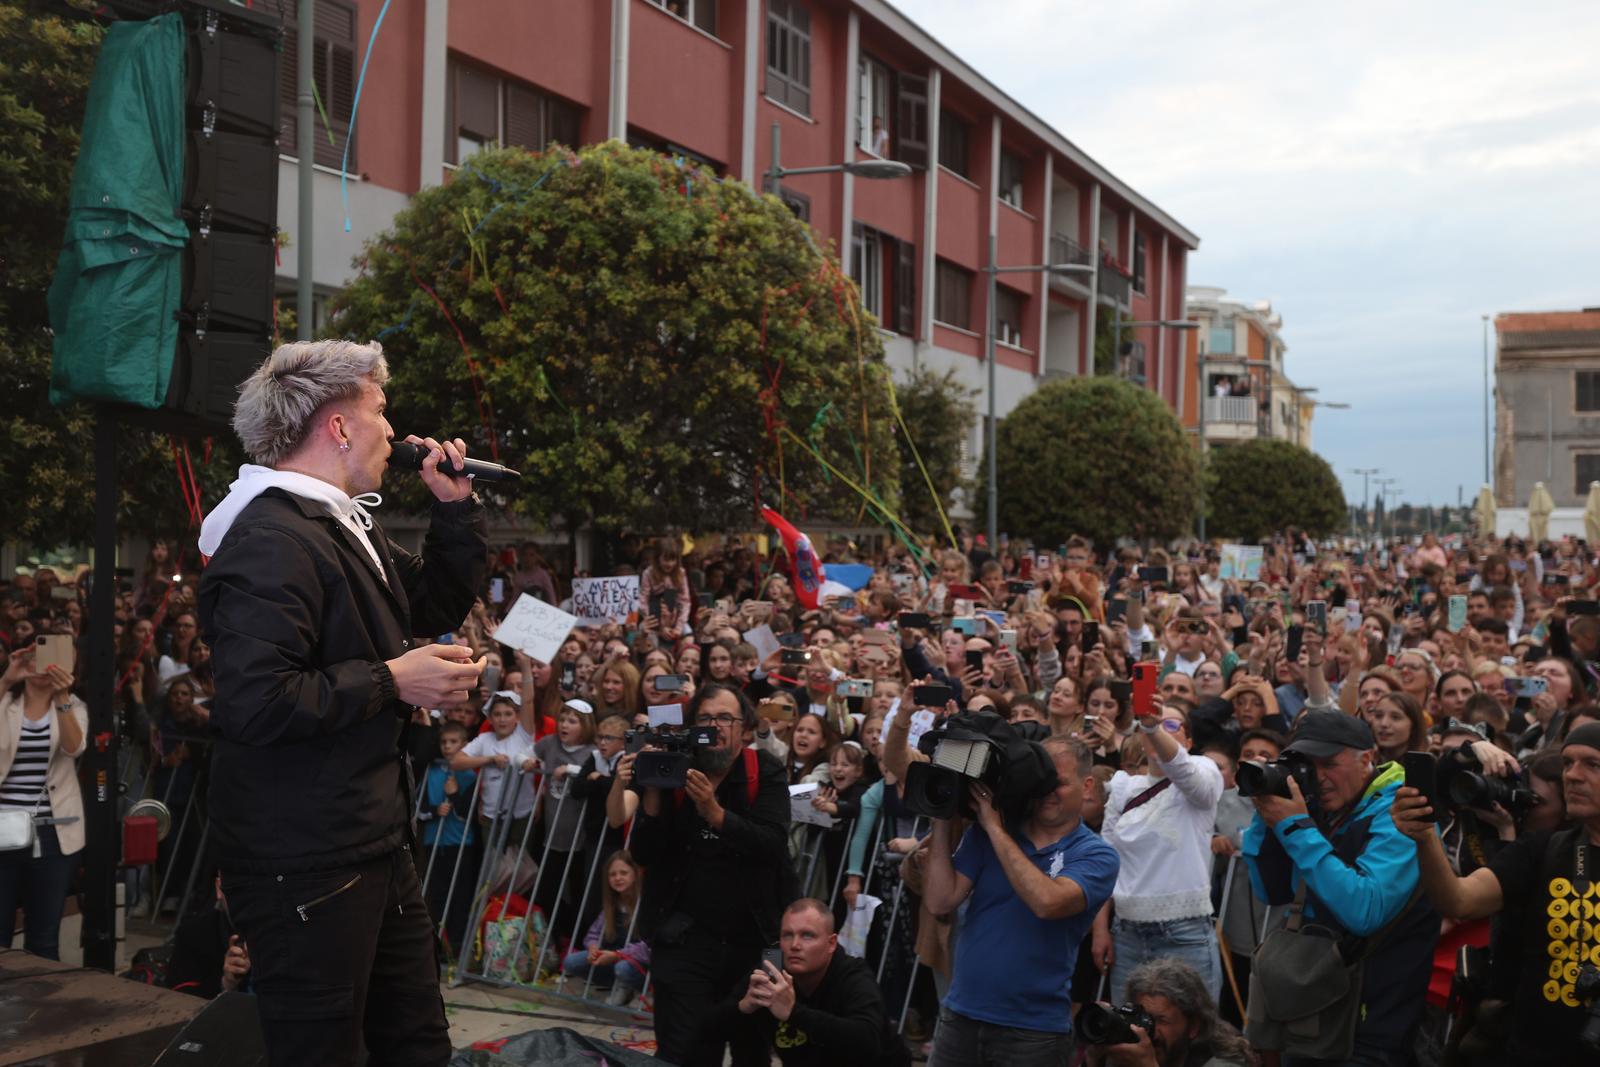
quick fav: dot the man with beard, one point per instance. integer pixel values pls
(717, 853)
(1186, 1030)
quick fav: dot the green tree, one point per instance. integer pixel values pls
(1099, 457)
(939, 412)
(1259, 487)
(643, 340)
(45, 66)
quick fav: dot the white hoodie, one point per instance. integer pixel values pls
(254, 480)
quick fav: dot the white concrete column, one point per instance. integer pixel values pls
(930, 210)
(1047, 213)
(1163, 311)
(435, 71)
(1086, 353)
(847, 150)
(617, 116)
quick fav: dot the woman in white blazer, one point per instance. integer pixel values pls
(42, 732)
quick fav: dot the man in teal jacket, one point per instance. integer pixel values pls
(1359, 873)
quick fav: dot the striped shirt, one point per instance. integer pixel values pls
(24, 787)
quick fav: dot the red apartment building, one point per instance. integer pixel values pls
(708, 79)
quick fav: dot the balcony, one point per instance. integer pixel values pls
(1116, 284)
(1232, 418)
(1064, 250)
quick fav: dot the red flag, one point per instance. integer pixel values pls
(808, 577)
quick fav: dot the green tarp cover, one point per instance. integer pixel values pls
(119, 278)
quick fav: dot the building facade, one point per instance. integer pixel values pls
(1547, 405)
(1235, 360)
(841, 80)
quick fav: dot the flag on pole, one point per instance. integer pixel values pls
(807, 578)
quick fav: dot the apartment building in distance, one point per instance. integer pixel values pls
(1235, 360)
(1547, 405)
(707, 80)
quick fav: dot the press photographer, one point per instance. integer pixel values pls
(1344, 979)
(719, 877)
(1031, 887)
(1544, 887)
(1169, 1020)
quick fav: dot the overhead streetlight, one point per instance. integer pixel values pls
(878, 169)
(992, 271)
(1365, 472)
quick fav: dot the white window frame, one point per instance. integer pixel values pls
(874, 99)
(866, 262)
(691, 11)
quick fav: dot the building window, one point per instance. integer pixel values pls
(954, 135)
(873, 107)
(1222, 337)
(789, 54)
(1138, 262)
(1586, 383)
(952, 303)
(486, 109)
(866, 267)
(884, 268)
(333, 76)
(1008, 305)
(1011, 167)
(1585, 469)
(911, 131)
(701, 14)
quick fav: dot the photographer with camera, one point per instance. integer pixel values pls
(1544, 886)
(1031, 895)
(1343, 981)
(716, 850)
(1169, 1019)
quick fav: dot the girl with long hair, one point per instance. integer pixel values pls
(608, 958)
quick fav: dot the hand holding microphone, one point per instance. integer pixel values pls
(445, 468)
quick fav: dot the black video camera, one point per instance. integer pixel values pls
(977, 747)
(1100, 1025)
(1260, 779)
(1463, 785)
(667, 765)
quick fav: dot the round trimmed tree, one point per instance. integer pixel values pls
(1099, 457)
(1257, 488)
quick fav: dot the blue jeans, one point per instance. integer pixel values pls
(38, 885)
(623, 972)
(1194, 941)
(962, 1042)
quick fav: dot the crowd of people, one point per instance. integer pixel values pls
(1343, 810)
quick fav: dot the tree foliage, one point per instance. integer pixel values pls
(1259, 487)
(45, 66)
(938, 411)
(641, 334)
(1099, 457)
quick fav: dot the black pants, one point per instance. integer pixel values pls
(341, 954)
(689, 979)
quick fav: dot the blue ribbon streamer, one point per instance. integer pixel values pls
(355, 105)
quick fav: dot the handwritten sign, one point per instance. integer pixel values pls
(535, 627)
(1240, 563)
(763, 640)
(921, 722)
(665, 715)
(602, 600)
(800, 809)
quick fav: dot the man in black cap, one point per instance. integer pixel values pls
(1545, 885)
(1334, 846)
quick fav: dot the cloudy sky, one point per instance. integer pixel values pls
(1384, 173)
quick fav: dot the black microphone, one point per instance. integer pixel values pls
(407, 456)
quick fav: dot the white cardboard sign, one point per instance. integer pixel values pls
(535, 627)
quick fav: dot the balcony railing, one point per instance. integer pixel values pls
(1232, 409)
(1064, 249)
(1114, 283)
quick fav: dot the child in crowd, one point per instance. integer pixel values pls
(506, 748)
(841, 798)
(447, 829)
(592, 785)
(561, 757)
(608, 956)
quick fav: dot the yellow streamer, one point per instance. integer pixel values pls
(865, 495)
(894, 402)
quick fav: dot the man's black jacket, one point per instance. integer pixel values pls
(307, 772)
(841, 1024)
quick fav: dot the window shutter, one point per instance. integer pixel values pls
(338, 92)
(477, 104)
(905, 288)
(523, 126)
(288, 93)
(911, 126)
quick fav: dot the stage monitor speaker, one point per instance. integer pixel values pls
(231, 180)
(209, 371)
(233, 73)
(227, 1033)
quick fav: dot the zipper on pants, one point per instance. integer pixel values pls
(305, 909)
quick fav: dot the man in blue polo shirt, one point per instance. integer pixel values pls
(1031, 898)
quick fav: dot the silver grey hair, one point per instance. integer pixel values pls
(276, 403)
(1183, 987)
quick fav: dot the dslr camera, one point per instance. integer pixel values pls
(667, 765)
(977, 747)
(1100, 1025)
(1261, 779)
(1462, 785)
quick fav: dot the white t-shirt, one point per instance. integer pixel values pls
(1164, 843)
(518, 745)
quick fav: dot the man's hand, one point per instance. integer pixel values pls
(983, 804)
(704, 796)
(1140, 1054)
(1276, 809)
(781, 1002)
(435, 676)
(759, 993)
(1222, 845)
(236, 964)
(444, 487)
(1412, 814)
(1102, 950)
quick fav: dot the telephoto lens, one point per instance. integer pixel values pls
(1100, 1025)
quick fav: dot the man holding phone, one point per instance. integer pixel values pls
(815, 1005)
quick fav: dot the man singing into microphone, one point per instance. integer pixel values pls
(310, 613)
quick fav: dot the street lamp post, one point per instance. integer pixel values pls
(991, 320)
(1365, 473)
(1383, 495)
(861, 168)
(1485, 400)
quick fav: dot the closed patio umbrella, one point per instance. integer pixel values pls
(1540, 505)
